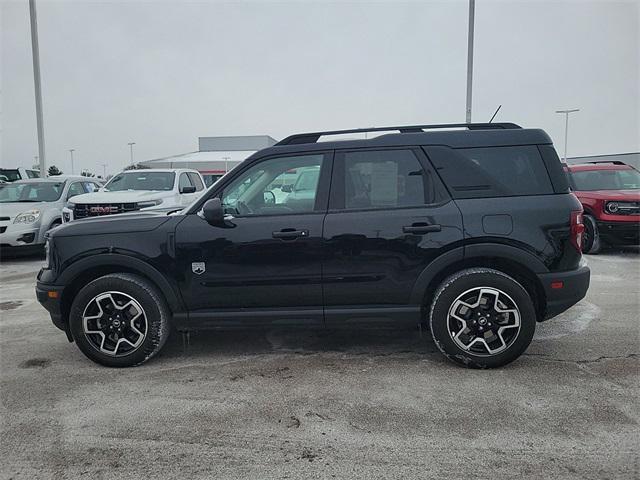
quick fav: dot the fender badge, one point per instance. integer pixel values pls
(198, 268)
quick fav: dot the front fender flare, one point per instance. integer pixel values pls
(132, 264)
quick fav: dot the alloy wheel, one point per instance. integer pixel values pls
(114, 323)
(483, 321)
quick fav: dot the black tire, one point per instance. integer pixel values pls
(461, 283)
(155, 313)
(591, 242)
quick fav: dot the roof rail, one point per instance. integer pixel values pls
(312, 137)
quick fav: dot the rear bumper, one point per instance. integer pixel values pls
(620, 233)
(574, 286)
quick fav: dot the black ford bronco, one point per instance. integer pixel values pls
(469, 228)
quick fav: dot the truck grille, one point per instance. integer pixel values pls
(628, 208)
(83, 210)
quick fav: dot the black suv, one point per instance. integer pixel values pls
(469, 227)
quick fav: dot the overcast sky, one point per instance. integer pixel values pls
(163, 73)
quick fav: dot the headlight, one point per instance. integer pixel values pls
(47, 253)
(28, 217)
(612, 207)
(149, 203)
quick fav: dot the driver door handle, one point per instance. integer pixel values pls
(420, 228)
(290, 234)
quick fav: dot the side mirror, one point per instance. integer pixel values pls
(188, 189)
(287, 188)
(213, 212)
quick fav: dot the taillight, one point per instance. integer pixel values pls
(577, 229)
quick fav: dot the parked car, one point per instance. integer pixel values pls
(19, 173)
(610, 195)
(29, 208)
(133, 190)
(473, 231)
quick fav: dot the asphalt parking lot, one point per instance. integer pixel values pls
(318, 404)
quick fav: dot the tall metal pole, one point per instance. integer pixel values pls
(35, 53)
(226, 166)
(472, 11)
(71, 150)
(104, 170)
(566, 128)
(131, 144)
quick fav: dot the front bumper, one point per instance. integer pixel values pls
(564, 289)
(49, 297)
(619, 233)
(16, 235)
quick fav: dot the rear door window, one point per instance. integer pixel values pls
(90, 187)
(371, 179)
(491, 171)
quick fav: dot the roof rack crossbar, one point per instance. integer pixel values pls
(313, 137)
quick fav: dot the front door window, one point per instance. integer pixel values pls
(277, 186)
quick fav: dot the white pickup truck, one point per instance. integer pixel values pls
(138, 190)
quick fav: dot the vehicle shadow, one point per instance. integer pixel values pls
(12, 256)
(301, 341)
(631, 250)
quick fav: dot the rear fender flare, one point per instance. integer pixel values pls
(468, 253)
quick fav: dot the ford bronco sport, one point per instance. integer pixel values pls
(610, 195)
(469, 228)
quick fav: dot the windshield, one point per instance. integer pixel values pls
(10, 174)
(588, 180)
(31, 192)
(141, 181)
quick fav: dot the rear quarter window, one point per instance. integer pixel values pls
(491, 171)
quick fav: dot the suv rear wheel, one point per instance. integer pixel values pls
(482, 318)
(119, 320)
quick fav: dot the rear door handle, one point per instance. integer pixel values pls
(290, 234)
(421, 228)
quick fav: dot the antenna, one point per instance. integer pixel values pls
(495, 113)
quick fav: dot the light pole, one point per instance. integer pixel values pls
(566, 127)
(226, 159)
(104, 170)
(71, 150)
(131, 144)
(35, 53)
(472, 11)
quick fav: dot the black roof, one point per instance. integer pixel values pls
(473, 135)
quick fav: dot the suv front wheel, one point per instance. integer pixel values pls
(591, 242)
(119, 320)
(482, 318)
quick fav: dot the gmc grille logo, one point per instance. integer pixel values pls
(103, 209)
